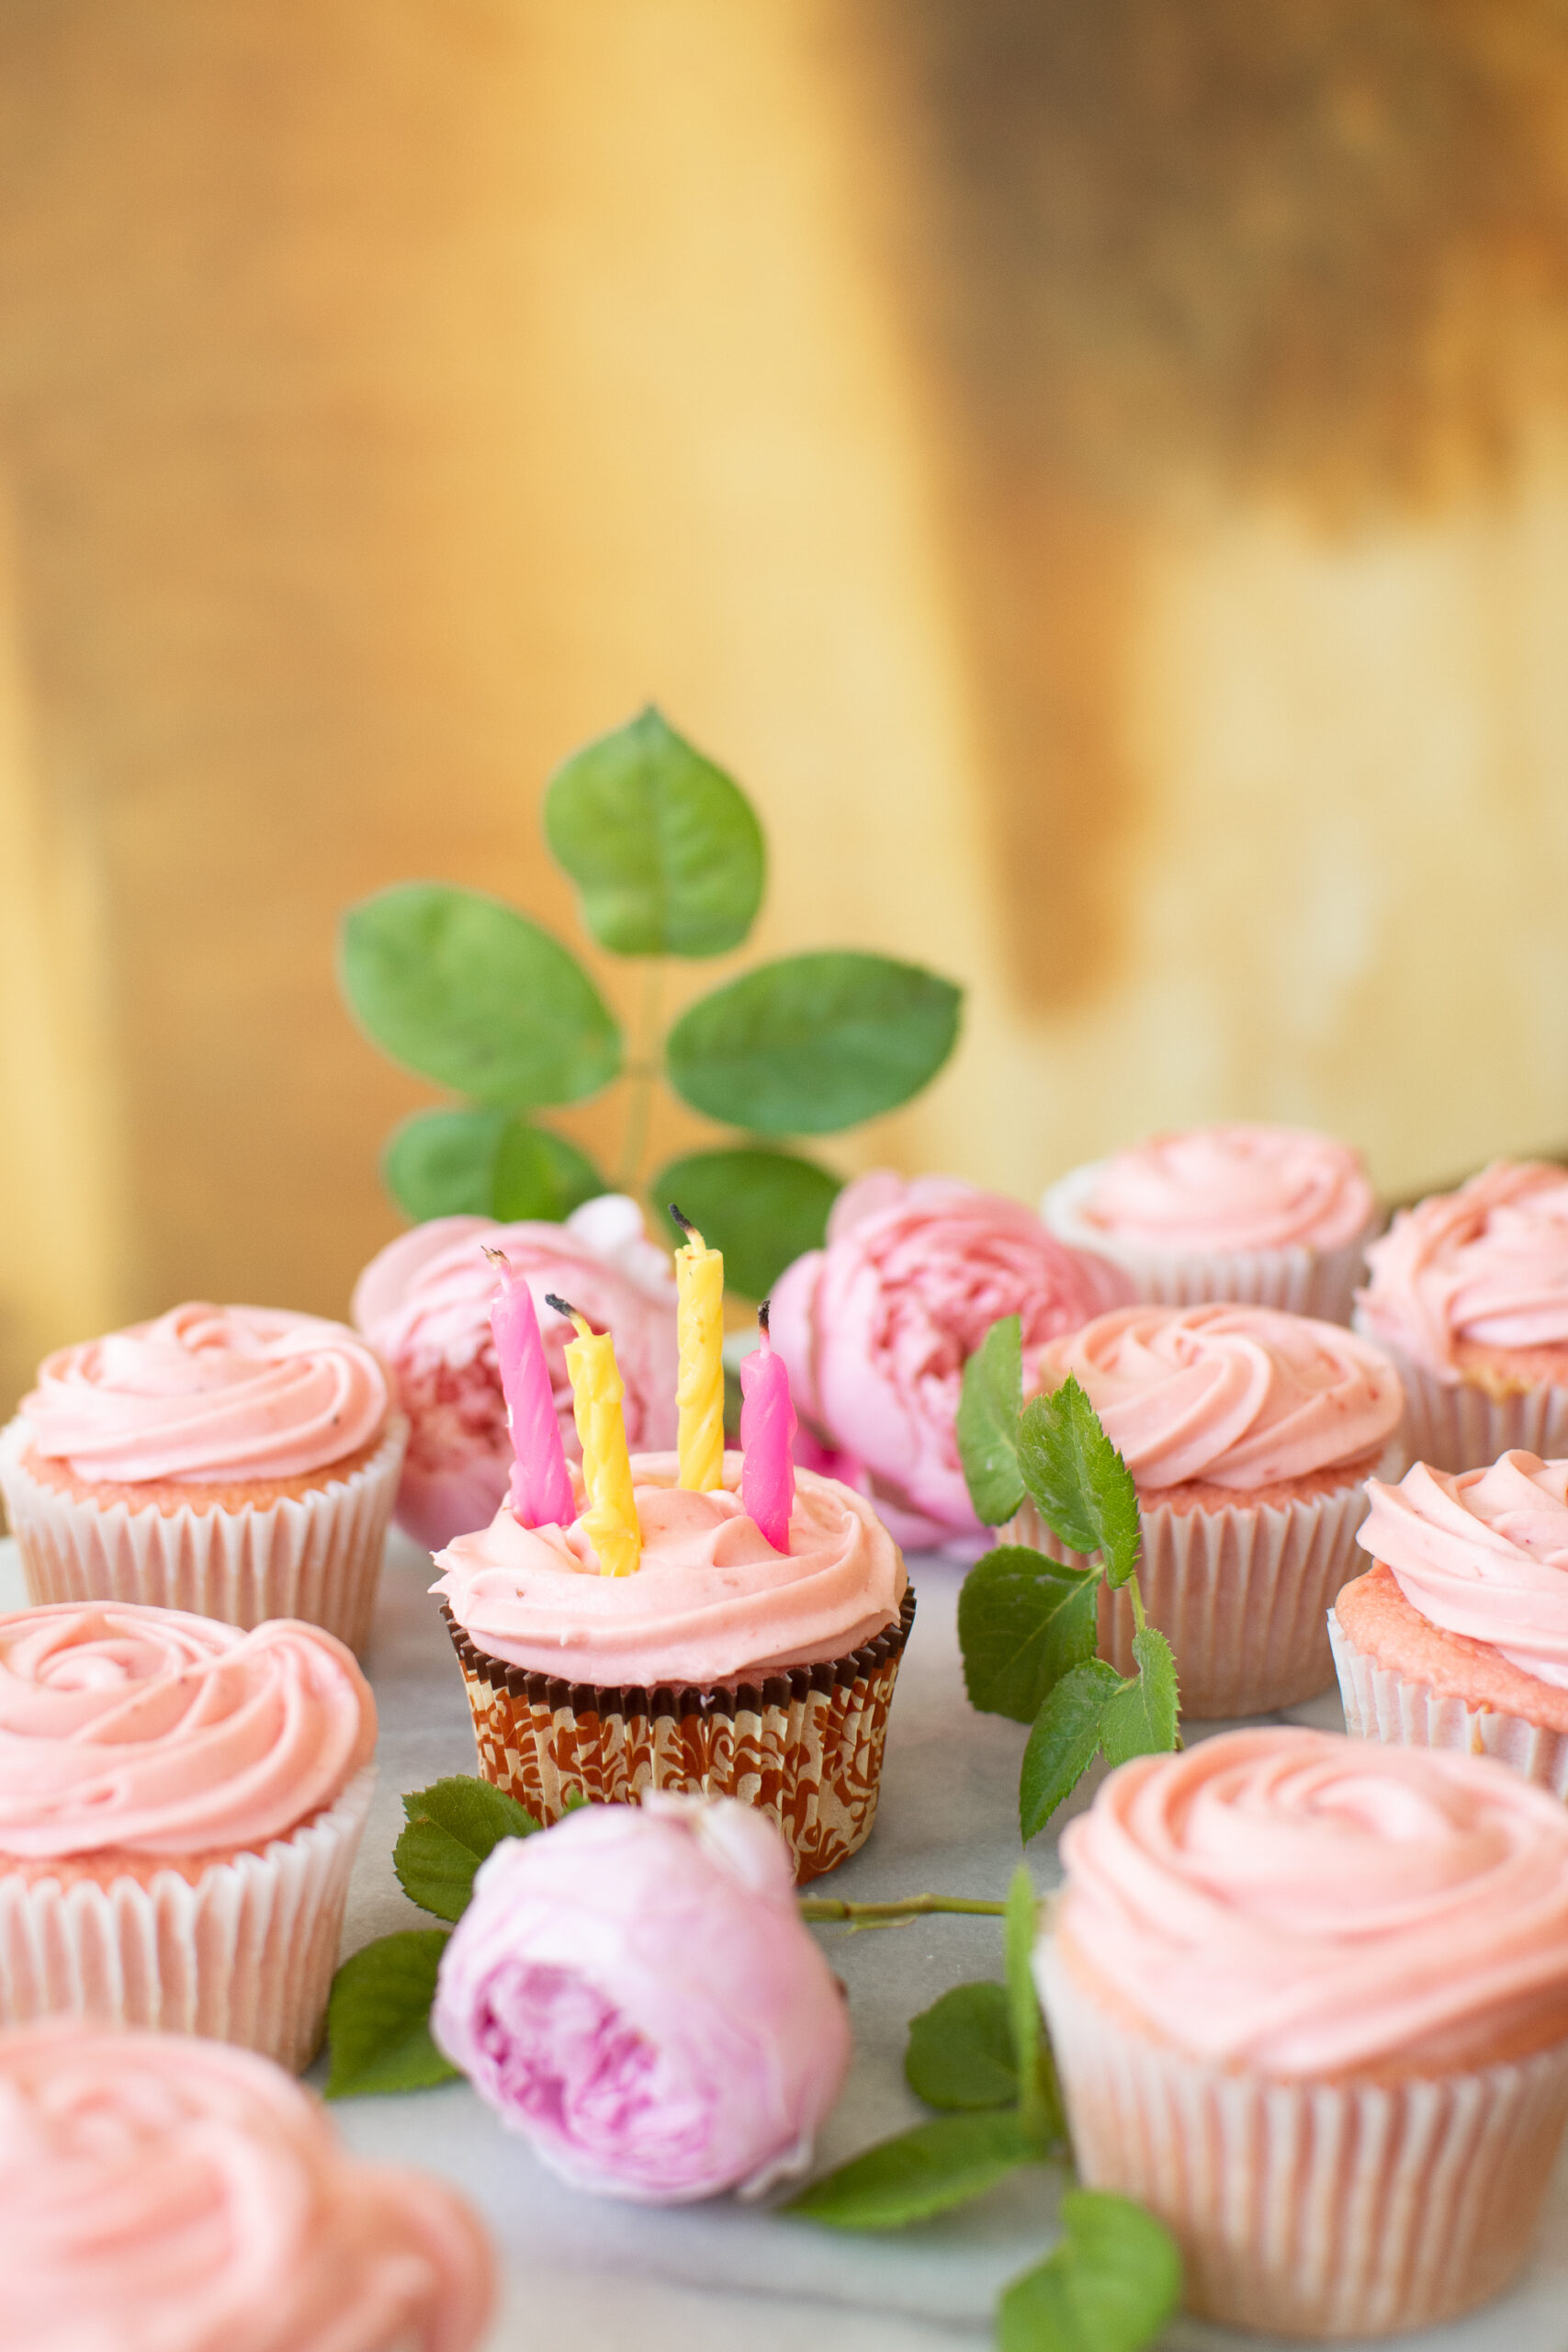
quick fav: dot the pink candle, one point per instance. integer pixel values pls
(541, 1486)
(767, 1436)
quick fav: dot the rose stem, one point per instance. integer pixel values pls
(888, 1914)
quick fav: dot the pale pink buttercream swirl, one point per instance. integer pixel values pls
(1308, 1905)
(1487, 1264)
(1239, 1395)
(1484, 1553)
(160, 2194)
(1231, 1187)
(711, 1602)
(161, 1732)
(209, 1394)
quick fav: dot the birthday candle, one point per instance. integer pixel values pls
(699, 1388)
(767, 1436)
(611, 1521)
(540, 1491)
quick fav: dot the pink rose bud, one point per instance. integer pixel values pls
(423, 1304)
(876, 1329)
(636, 1993)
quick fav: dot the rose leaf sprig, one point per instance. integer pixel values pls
(1028, 1624)
(669, 861)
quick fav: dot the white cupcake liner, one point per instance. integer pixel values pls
(1302, 1280)
(1317, 2208)
(1381, 1703)
(1241, 1595)
(1458, 1426)
(316, 1556)
(245, 1955)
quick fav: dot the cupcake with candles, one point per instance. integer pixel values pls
(237, 1460)
(721, 1623)
(180, 1806)
(1269, 1215)
(1469, 1293)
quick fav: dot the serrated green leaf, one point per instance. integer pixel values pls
(1039, 2104)
(1023, 1622)
(987, 1426)
(452, 1825)
(1083, 1487)
(378, 2018)
(469, 993)
(1140, 1719)
(961, 2050)
(540, 1174)
(924, 2171)
(664, 846)
(1110, 2286)
(813, 1043)
(1062, 1743)
(442, 1164)
(762, 1208)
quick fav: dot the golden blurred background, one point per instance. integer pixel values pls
(1097, 470)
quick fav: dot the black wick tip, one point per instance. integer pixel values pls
(762, 1313)
(560, 1305)
(496, 1257)
(683, 1222)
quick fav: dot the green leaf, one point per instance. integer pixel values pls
(1140, 1719)
(923, 2171)
(663, 845)
(1084, 1488)
(763, 1209)
(442, 1164)
(1023, 1622)
(452, 1825)
(813, 1043)
(470, 994)
(1062, 1744)
(988, 1409)
(540, 1174)
(378, 2018)
(1110, 2285)
(961, 2050)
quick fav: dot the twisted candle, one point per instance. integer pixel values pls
(540, 1491)
(767, 1436)
(699, 1388)
(611, 1521)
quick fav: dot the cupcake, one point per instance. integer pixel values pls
(1248, 1434)
(722, 1667)
(180, 1806)
(161, 2195)
(231, 1460)
(1272, 1217)
(1469, 1293)
(1458, 1635)
(1309, 2004)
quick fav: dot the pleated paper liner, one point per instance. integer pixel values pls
(1325, 2207)
(803, 1746)
(1460, 1425)
(1381, 1703)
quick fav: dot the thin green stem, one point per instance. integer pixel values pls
(889, 1914)
(1136, 1598)
(642, 1069)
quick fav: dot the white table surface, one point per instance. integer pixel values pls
(724, 2275)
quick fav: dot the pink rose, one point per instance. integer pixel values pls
(423, 1304)
(636, 1993)
(876, 1329)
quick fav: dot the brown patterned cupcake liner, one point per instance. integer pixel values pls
(803, 1746)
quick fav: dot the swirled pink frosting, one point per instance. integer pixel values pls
(1311, 1904)
(209, 1394)
(1484, 1553)
(1231, 1187)
(1488, 1264)
(1239, 1395)
(160, 2194)
(159, 1733)
(712, 1602)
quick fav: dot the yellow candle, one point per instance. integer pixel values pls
(611, 1520)
(699, 1388)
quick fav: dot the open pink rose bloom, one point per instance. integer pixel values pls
(635, 1992)
(423, 1304)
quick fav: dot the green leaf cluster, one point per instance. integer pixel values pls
(1028, 1624)
(669, 860)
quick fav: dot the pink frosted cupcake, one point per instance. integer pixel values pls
(160, 2195)
(1308, 2003)
(1469, 1293)
(236, 1461)
(1458, 1636)
(722, 1668)
(1248, 1434)
(1271, 1216)
(180, 1806)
